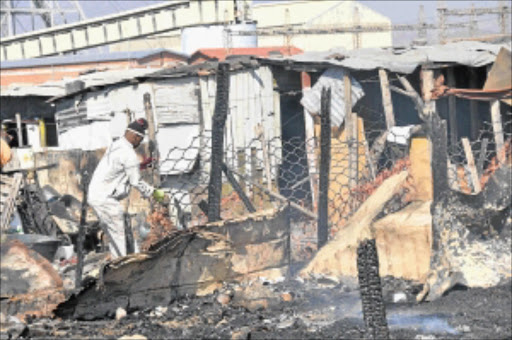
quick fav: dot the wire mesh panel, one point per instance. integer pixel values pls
(471, 163)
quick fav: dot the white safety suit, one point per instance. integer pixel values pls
(117, 171)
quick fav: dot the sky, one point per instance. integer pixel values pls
(399, 11)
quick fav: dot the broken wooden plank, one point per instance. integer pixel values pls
(351, 131)
(326, 261)
(475, 179)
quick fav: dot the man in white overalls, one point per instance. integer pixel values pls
(112, 180)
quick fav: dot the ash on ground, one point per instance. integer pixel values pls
(300, 310)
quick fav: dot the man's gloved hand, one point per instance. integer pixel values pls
(160, 196)
(147, 162)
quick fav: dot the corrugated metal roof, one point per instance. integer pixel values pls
(87, 58)
(96, 79)
(469, 53)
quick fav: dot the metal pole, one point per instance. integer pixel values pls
(441, 13)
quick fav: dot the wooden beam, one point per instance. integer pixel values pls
(18, 129)
(497, 125)
(386, 99)
(497, 128)
(414, 95)
(427, 85)
(152, 147)
(352, 132)
(475, 179)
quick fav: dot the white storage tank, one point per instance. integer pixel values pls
(217, 36)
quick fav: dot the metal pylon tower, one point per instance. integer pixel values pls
(21, 16)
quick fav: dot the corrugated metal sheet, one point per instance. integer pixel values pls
(177, 101)
(70, 112)
(86, 58)
(469, 53)
(251, 102)
(98, 105)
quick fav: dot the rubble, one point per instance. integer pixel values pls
(194, 261)
(24, 271)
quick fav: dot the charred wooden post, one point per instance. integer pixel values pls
(374, 311)
(452, 111)
(325, 164)
(130, 242)
(481, 157)
(218, 124)
(475, 120)
(81, 232)
(238, 188)
(437, 132)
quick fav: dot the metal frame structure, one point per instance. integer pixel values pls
(116, 28)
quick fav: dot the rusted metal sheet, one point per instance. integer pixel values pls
(500, 75)
(29, 283)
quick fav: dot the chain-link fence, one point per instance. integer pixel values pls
(471, 163)
(269, 173)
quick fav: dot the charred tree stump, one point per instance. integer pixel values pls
(218, 124)
(325, 163)
(370, 288)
